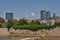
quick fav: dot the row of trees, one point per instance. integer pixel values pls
(22, 24)
(34, 26)
(11, 23)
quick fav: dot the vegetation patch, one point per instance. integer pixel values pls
(33, 27)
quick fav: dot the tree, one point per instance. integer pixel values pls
(36, 22)
(14, 21)
(9, 24)
(1, 20)
(22, 22)
(0, 26)
(57, 23)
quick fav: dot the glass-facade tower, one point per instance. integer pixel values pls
(45, 15)
(8, 15)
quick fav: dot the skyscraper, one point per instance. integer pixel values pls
(48, 15)
(8, 15)
(54, 16)
(45, 15)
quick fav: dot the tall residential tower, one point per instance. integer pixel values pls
(54, 16)
(45, 15)
(8, 15)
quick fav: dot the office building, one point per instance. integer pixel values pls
(45, 15)
(48, 15)
(8, 15)
(54, 16)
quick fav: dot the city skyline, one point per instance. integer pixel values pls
(29, 8)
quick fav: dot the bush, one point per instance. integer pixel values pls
(12, 33)
(33, 27)
(9, 24)
(1, 26)
(57, 23)
(22, 22)
(36, 22)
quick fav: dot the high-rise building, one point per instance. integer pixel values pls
(48, 15)
(54, 16)
(8, 15)
(45, 15)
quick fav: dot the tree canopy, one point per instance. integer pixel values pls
(2, 20)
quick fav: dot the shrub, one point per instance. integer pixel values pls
(57, 23)
(9, 24)
(12, 33)
(1, 26)
(33, 27)
(22, 22)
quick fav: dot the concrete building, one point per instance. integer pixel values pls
(48, 15)
(48, 22)
(8, 15)
(54, 16)
(44, 22)
(45, 15)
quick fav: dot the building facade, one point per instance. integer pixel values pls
(45, 15)
(48, 15)
(8, 15)
(54, 16)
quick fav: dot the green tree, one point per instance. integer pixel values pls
(2, 20)
(0, 26)
(37, 22)
(9, 24)
(57, 23)
(22, 22)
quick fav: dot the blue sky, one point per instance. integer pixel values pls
(29, 8)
